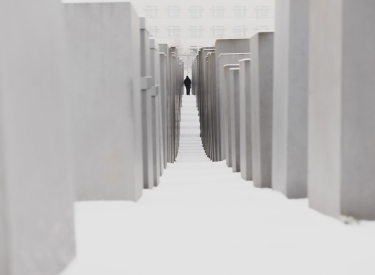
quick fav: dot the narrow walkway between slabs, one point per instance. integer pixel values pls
(204, 219)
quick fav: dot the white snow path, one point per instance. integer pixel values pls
(205, 220)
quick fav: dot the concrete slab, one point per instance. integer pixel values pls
(261, 107)
(36, 181)
(245, 120)
(148, 152)
(289, 168)
(228, 114)
(224, 46)
(104, 77)
(225, 59)
(234, 94)
(341, 111)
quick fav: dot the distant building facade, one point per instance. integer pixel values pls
(192, 24)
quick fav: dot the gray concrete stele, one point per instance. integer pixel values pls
(261, 107)
(341, 178)
(105, 107)
(36, 181)
(289, 167)
(245, 120)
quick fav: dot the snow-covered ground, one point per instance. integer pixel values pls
(204, 219)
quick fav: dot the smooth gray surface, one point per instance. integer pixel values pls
(225, 59)
(155, 114)
(147, 118)
(289, 168)
(234, 94)
(341, 112)
(228, 113)
(164, 113)
(245, 120)
(104, 70)
(204, 100)
(261, 107)
(223, 46)
(163, 48)
(36, 182)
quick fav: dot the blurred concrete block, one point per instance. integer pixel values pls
(163, 48)
(104, 77)
(213, 108)
(245, 120)
(261, 107)
(228, 114)
(341, 165)
(36, 182)
(156, 114)
(289, 168)
(147, 118)
(164, 112)
(234, 94)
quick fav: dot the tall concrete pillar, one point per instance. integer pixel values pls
(222, 60)
(146, 85)
(228, 114)
(164, 113)
(104, 70)
(213, 101)
(173, 69)
(36, 181)
(155, 111)
(289, 166)
(224, 46)
(163, 48)
(341, 178)
(245, 120)
(234, 94)
(261, 107)
(204, 104)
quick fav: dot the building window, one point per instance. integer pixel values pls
(154, 31)
(195, 11)
(217, 31)
(218, 11)
(173, 11)
(261, 28)
(196, 31)
(239, 31)
(151, 11)
(261, 11)
(239, 11)
(173, 31)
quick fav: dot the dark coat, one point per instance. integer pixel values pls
(187, 82)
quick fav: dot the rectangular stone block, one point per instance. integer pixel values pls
(234, 94)
(36, 182)
(289, 174)
(204, 104)
(214, 109)
(341, 165)
(163, 48)
(155, 114)
(164, 96)
(261, 107)
(228, 114)
(147, 118)
(224, 46)
(225, 59)
(103, 42)
(245, 120)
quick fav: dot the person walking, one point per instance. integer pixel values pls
(187, 83)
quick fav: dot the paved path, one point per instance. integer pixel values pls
(205, 220)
